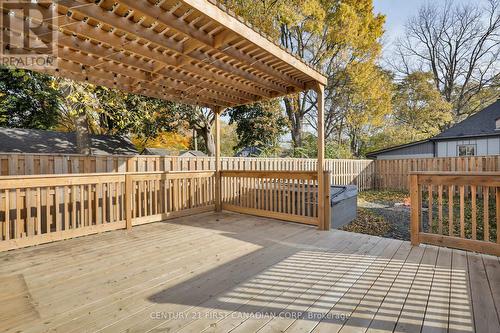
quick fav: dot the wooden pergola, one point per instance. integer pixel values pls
(189, 51)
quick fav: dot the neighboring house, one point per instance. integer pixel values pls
(192, 153)
(478, 135)
(17, 140)
(249, 152)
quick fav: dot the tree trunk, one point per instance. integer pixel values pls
(295, 122)
(206, 134)
(82, 135)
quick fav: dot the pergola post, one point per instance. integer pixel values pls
(322, 191)
(218, 205)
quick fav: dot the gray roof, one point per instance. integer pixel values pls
(188, 153)
(17, 140)
(158, 151)
(482, 123)
(479, 124)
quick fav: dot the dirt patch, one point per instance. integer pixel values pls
(368, 223)
(382, 213)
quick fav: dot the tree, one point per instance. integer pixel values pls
(79, 105)
(201, 120)
(361, 104)
(27, 99)
(330, 35)
(228, 138)
(419, 106)
(259, 124)
(150, 117)
(333, 149)
(460, 45)
(166, 140)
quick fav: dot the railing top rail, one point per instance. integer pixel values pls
(456, 173)
(310, 175)
(458, 178)
(97, 174)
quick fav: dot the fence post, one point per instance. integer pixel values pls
(415, 206)
(128, 200)
(326, 216)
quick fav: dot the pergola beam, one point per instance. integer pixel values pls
(201, 39)
(230, 22)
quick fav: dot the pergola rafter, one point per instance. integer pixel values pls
(189, 51)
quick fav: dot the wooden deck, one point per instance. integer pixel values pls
(230, 272)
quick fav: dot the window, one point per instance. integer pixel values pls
(466, 150)
(497, 124)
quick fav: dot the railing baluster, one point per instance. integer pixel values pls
(473, 194)
(450, 209)
(497, 209)
(462, 211)
(7, 214)
(486, 213)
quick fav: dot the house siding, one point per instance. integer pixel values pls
(421, 150)
(484, 146)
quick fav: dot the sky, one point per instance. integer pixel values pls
(397, 12)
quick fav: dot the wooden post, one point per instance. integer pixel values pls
(128, 196)
(130, 164)
(320, 90)
(415, 206)
(218, 195)
(328, 207)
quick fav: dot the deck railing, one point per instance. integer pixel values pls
(42, 209)
(458, 210)
(291, 195)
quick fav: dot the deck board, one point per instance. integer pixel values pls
(235, 273)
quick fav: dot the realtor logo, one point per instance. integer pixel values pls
(28, 35)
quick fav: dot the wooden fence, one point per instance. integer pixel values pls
(343, 172)
(456, 209)
(366, 174)
(393, 174)
(42, 209)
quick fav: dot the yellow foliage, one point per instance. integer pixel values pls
(166, 140)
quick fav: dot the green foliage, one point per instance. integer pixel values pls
(333, 149)
(258, 125)
(27, 99)
(419, 106)
(110, 111)
(419, 112)
(229, 139)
